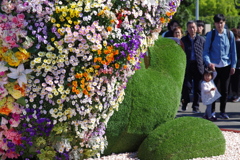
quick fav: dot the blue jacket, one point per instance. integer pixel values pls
(198, 50)
(222, 49)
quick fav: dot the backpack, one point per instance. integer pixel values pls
(213, 36)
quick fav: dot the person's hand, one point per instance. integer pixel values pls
(232, 71)
(212, 66)
(212, 89)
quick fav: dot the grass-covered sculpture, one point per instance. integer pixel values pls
(183, 138)
(152, 99)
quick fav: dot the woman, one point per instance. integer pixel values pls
(178, 33)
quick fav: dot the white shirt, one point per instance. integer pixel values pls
(208, 97)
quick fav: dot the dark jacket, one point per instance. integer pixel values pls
(238, 54)
(169, 34)
(198, 49)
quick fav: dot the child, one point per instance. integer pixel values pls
(209, 93)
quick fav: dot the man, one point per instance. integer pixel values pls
(220, 54)
(193, 47)
(200, 27)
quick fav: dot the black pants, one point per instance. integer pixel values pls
(235, 82)
(222, 82)
(192, 77)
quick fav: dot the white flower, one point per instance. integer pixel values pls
(19, 74)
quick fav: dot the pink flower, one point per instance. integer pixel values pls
(20, 17)
(9, 39)
(14, 123)
(16, 117)
(12, 135)
(11, 154)
(15, 20)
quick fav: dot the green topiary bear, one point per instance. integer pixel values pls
(152, 98)
(183, 138)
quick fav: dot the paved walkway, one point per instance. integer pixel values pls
(232, 109)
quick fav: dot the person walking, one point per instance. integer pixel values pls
(235, 78)
(220, 54)
(193, 47)
(209, 93)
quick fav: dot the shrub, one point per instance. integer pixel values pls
(183, 138)
(152, 98)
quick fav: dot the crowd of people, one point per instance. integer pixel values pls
(213, 64)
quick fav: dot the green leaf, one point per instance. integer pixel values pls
(11, 80)
(21, 101)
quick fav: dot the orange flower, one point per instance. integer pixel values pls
(168, 14)
(128, 58)
(88, 88)
(107, 51)
(110, 58)
(78, 75)
(21, 89)
(109, 28)
(100, 13)
(82, 86)
(104, 62)
(117, 65)
(82, 81)
(162, 20)
(125, 67)
(116, 52)
(96, 66)
(73, 89)
(111, 21)
(99, 52)
(85, 92)
(74, 83)
(77, 91)
(5, 110)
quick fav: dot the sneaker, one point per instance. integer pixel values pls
(204, 116)
(223, 116)
(184, 108)
(214, 114)
(212, 119)
(196, 110)
(237, 99)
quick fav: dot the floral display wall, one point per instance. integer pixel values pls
(64, 65)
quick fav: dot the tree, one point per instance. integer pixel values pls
(207, 9)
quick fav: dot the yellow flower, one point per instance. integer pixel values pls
(53, 20)
(37, 60)
(57, 9)
(41, 54)
(64, 14)
(58, 25)
(50, 96)
(73, 5)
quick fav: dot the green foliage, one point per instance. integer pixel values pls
(47, 153)
(183, 138)
(152, 98)
(207, 9)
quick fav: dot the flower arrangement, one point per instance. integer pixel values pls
(64, 65)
